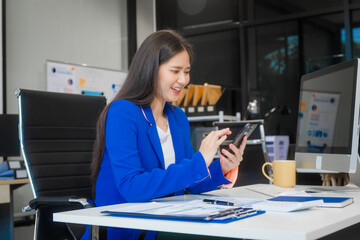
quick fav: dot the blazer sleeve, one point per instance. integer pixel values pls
(122, 145)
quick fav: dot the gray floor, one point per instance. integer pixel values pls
(21, 197)
(24, 232)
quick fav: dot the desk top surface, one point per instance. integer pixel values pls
(14, 181)
(308, 224)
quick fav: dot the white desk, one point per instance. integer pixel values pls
(308, 224)
(6, 206)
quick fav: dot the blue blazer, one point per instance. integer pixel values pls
(132, 168)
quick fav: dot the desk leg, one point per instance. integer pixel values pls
(94, 232)
(6, 221)
(6, 213)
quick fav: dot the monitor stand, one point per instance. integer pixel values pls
(354, 184)
(355, 177)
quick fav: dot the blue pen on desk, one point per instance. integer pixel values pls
(218, 202)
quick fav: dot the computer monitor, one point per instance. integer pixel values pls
(328, 120)
(9, 135)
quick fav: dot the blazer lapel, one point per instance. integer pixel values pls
(154, 136)
(176, 134)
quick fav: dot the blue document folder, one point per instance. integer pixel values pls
(169, 211)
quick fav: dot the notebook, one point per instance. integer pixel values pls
(331, 202)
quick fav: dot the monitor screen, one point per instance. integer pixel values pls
(327, 133)
(9, 135)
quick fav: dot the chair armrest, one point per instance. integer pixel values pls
(53, 201)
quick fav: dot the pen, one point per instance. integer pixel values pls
(218, 202)
(234, 212)
(221, 213)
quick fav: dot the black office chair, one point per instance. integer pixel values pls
(57, 134)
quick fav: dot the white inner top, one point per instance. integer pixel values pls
(167, 146)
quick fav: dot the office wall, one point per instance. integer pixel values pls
(145, 19)
(1, 63)
(92, 32)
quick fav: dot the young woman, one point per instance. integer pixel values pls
(143, 148)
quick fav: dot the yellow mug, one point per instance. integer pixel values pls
(284, 172)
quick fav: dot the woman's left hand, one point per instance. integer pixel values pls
(229, 160)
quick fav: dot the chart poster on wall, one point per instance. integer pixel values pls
(79, 79)
(317, 115)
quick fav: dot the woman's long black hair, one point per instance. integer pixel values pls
(141, 82)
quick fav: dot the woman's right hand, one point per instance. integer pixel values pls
(211, 143)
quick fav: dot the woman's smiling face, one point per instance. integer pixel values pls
(174, 75)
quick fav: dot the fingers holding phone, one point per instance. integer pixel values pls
(232, 159)
(211, 143)
(233, 155)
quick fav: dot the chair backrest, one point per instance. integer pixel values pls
(57, 134)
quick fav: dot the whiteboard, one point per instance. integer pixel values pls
(81, 79)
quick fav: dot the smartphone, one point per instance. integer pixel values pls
(245, 131)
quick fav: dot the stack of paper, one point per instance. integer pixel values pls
(279, 206)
